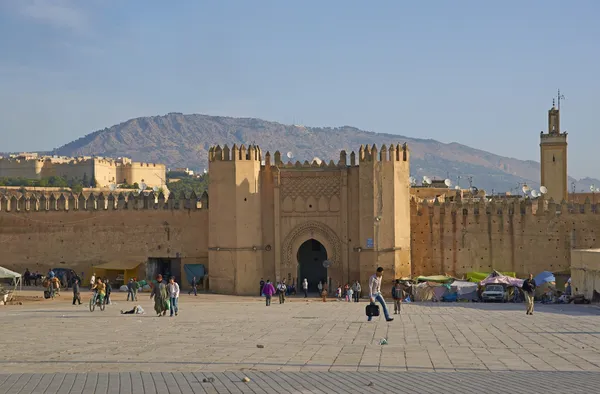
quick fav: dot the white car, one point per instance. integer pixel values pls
(494, 292)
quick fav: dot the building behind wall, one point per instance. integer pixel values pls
(103, 170)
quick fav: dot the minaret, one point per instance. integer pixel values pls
(553, 157)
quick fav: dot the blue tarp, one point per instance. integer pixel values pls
(544, 277)
(192, 270)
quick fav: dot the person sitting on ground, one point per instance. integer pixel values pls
(137, 310)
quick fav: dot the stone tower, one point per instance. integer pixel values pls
(384, 208)
(235, 230)
(553, 158)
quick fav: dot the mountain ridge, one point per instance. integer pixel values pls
(180, 140)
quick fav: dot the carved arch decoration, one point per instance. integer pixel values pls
(311, 230)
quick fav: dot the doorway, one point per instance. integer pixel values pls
(165, 266)
(311, 255)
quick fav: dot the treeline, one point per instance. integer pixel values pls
(181, 182)
(76, 185)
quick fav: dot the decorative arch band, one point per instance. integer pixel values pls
(312, 230)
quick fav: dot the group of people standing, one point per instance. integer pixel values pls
(166, 296)
(351, 293)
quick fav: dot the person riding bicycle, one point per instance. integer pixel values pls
(99, 291)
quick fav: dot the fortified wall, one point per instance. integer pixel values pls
(457, 237)
(75, 231)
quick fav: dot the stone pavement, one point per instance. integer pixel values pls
(300, 337)
(301, 382)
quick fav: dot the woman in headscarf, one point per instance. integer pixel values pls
(159, 292)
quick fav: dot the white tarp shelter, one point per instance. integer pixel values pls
(5, 273)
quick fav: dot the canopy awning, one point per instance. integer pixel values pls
(434, 278)
(497, 278)
(479, 276)
(5, 273)
(118, 265)
(544, 277)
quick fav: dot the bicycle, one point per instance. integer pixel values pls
(95, 301)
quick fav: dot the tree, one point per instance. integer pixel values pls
(77, 188)
(93, 182)
(84, 180)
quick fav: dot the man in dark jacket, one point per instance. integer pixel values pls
(76, 295)
(529, 293)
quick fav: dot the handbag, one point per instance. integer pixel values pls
(372, 310)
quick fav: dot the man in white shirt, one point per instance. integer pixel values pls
(173, 290)
(375, 293)
(305, 287)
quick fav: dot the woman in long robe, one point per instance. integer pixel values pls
(159, 292)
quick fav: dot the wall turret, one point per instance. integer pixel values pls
(235, 231)
(384, 207)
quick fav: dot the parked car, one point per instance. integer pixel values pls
(494, 292)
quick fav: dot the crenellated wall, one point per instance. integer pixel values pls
(456, 238)
(78, 231)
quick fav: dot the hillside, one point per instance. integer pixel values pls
(183, 141)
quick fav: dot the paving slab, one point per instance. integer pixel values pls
(318, 343)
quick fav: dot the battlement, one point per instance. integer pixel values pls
(393, 153)
(548, 138)
(140, 165)
(539, 207)
(253, 153)
(100, 202)
(365, 154)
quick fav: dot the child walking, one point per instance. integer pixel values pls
(349, 295)
(398, 295)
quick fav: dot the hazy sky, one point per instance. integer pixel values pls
(477, 72)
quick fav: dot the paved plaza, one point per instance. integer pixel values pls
(300, 346)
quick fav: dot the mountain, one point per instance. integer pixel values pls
(180, 140)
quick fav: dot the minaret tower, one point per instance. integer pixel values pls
(553, 156)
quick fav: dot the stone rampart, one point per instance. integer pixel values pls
(79, 231)
(459, 237)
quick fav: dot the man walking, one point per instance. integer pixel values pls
(268, 290)
(76, 294)
(130, 290)
(93, 281)
(281, 288)
(194, 287)
(262, 285)
(356, 290)
(529, 292)
(173, 290)
(305, 287)
(375, 293)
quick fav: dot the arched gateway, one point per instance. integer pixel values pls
(307, 241)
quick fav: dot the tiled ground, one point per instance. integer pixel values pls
(302, 382)
(217, 333)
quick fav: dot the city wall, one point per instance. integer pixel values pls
(78, 232)
(456, 238)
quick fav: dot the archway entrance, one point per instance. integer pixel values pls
(311, 255)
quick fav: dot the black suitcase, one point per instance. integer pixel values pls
(372, 310)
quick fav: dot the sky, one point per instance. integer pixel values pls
(475, 72)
